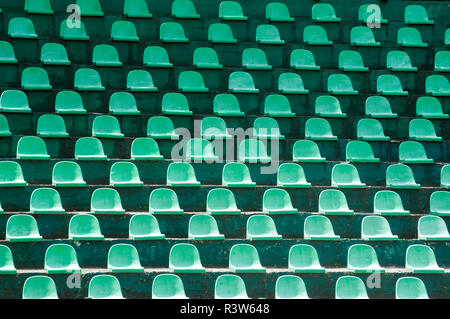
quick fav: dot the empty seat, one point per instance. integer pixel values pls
(104, 287)
(277, 105)
(362, 36)
(429, 107)
(253, 151)
(221, 201)
(168, 286)
(399, 61)
(317, 227)
(204, 227)
(421, 259)
(7, 54)
(61, 259)
(231, 10)
(124, 258)
(291, 175)
(388, 203)
(124, 174)
(277, 201)
(315, 35)
(432, 228)
(90, 8)
(140, 81)
(39, 287)
(4, 126)
(22, 228)
(371, 14)
(19, 27)
(410, 37)
(175, 104)
(136, 9)
(156, 57)
(106, 126)
(346, 176)
(388, 84)
(69, 102)
(360, 151)
(38, 7)
(124, 31)
(422, 130)
(230, 287)
(161, 127)
(144, 227)
(445, 176)
(198, 149)
(51, 125)
(370, 130)
(306, 151)
(46, 201)
(241, 82)
(400, 176)
(291, 83)
(376, 228)
(67, 174)
(35, 78)
(441, 61)
(206, 58)
(14, 101)
(379, 107)
(244, 258)
(437, 85)
(413, 152)
(302, 59)
(11, 174)
(324, 12)
(105, 55)
(123, 103)
(255, 59)
(410, 288)
(226, 105)
(181, 174)
(350, 60)
(447, 37)
(236, 175)
(416, 14)
(350, 287)
(261, 227)
(88, 80)
(172, 32)
(220, 33)
(268, 34)
(6, 261)
(164, 201)
(319, 129)
(213, 127)
(68, 32)
(89, 149)
(191, 81)
(362, 258)
(439, 203)
(267, 128)
(145, 149)
(184, 9)
(328, 106)
(106, 201)
(278, 12)
(85, 227)
(340, 84)
(185, 258)
(32, 148)
(333, 202)
(290, 287)
(54, 54)
(304, 259)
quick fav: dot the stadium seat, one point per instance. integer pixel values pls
(231, 10)
(204, 227)
(422, 130)
(35, 78)
(67, 174)
(172, 32)
(90, 8)
(340, 84)
(324, 12)
(302, 59)
(441, 61)
(144, 227)
(185, 258)
(241, 82)
(124, 258)
(244, 258)
(277, 105)
(376, 228)
(388, 84)
(105, 55)
(191, 81)
(319, 129)
(104, 287)
(416, 14)
(362, 258)
(445, 176)
(181, 174)
(206, 58)
(4, 126)
(136, 9)
(106, 126)
(268, 34)
(360, 152)
(14, 101)
(429, 107)
(333, 202)
(267, 128)
(88, 80)
(6, 261)
(69, 102)
(32, 148)
(54, 54)
(51, 125)
(410, 37)
(61, 259)
(253, 151)
(350, 60)
(412, 152)
(421, 259)
(350, 287)
(89, 149)
(220, 33)
(145, 149)
(21, 28)
(290, 287)
(317, 227)
(304, 259)
(278, 12)
(198, 149)
(399, 61)
(306, 151)
(400, 176)
(85, 227)
(226, 105)
(277, 201)
(124, 174)
(38, 7)
(168, 286)
(106, 201)
(262, 227)
(255, 59)
(345, 176)
(437, 85)
(410, 288)
(123, 103)
(291, 175)
(230, 286)
(67, 32)
(214, 128)
(379, 107)
(184, 9)
(39, 287)
(221, 201)
(11, 174)
(156, 57)
(46, 201)
(370, 13)
(315, 35)
(164, 201)
(291, 83)
(432, 228)
(140, 81)
(22, 228)
(447, 37)
(175, 104)
(362, 36)
(161, 127)
(328, 106)
(439, 203)
(7, 55)
(124, 31)
(388, 203)
(236, 175)
(370, 130)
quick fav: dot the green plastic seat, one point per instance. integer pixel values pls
(324, 12)
(267, 128)
(168, 286)
(14, 101)
(291, 175)
(231, 10)
(379, 107)
(432, 228)
(422, 130)
(51, 125)
(350, 287)
(106, 126)
(291, 83)
(315, 35)
(360, 151)
(362, 258)
(318, 227)
(441, 61)
(253, 151)
(32, 148)
(410, 288)
(106, 201)
(302, 59)
(124, 31)
(362, 36)
(388, 84)
(123, 103)
(304, 259)
(61, 259)
(105, 55)
(22, 228)
(241, 82)
(421, 259)
(319, 129)
(198, 149)
(88, 80)
(445, 176)
(89, 149)
(213, 127)
(350, 60)
(226, 105)
(144, 227)
(38, 6)
(184, 9)
(7, 55)
(185, 258)
(346, 176)
(161, 127)
(412, 152)
(277, 105)
(221, 201)
(204, 227)
(340, 84)
(370, 13)
(69, 102)
(370, 130)
(230, 287)
(136, 9)
(4, 126)
(21, 28)
(54, 54)
(124, 174)
(333, 202)
(290, 287)
(67, 174)
(244, 258)
(11, 174)
(388, 203)
(172, 32)
(410, 37)
(85, 227)
(236, 175)
(140, 81)
(156, 57)
(429, 107)
(400, 176)
(175, 104)
(46, 201)
(328, 106)
(6, 261)
(164, 201)
(35, 78)
(124, 258)
(67, 32)
(220, 33)
(206, 58)
(439, 203)
(306, 151)
(145, 149)
(39, 287)
(399, 61)
(181, 174)
(277, 201)
(104, 287)
(262, 227)
(416, 14)
(268, 34)
(447, 37)
(437, 85)
(255, 59)
(191, 81)
(278, 12)
(90, 8)
(376, 228)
